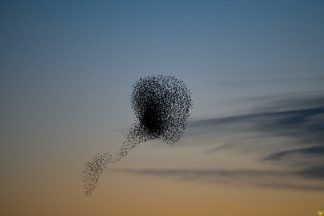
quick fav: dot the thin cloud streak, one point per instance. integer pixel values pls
(257, 178)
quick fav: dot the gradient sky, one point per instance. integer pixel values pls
(254, 142)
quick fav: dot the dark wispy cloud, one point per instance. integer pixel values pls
(291, 121)
(299, 120)
(243, 83)
(259, 178)
(311, 151)
(289, 132)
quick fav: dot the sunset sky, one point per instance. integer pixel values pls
(254, 142)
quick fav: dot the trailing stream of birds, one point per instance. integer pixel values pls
(161, 106)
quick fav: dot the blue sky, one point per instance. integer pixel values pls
(74, 62)
(57, 50)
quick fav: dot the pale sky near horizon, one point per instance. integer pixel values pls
(66, 74)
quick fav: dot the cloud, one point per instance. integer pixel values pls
(258, 178)
(311, 151)
(287, 131)
(313, 172)
(304, 123)
(299, 120)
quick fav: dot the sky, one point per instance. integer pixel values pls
(253, 142)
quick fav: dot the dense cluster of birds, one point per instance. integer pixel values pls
(161, 105)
